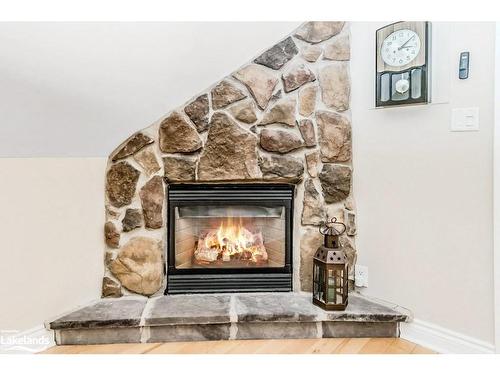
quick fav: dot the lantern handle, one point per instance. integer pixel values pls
(328, 226)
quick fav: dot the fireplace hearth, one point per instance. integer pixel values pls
(229, 238)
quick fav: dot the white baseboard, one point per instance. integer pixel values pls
(443, 340)
(32, 340)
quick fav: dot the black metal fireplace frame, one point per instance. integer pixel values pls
(213, 280)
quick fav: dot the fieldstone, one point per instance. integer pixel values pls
(311, 53)
(152, 195)
(314, 210)
(272, 308)
(147, 160)
(313, 163)
(336, 182)
(277, 95)
(244, 111)
(297, 76)
(259, 81)
(109, 256)
(224, 94)
(334, 136)
(132, 145)
(197, 111)
(276, 166)
(335, 212)
(191, 309)
(306, 128)
(309, 243)
(139, 266)
(349, 204)
(350, 222)
(281, 141)
(111, 235)
(98, 322)
(179, 168)
(350, 253)
(189, 332)
(316, 32)
(132, 219)
(282, 330)
(177, 135)
(335, 85)
(283, 112)
(307, 100)
(278, 55)
(110, 288)
(339, 49)
(111, 214)
(121, 181)
(230, 152)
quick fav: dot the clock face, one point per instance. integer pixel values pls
(400, 48)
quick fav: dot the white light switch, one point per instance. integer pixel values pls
(465, 119)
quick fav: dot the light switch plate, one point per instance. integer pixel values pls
(464, 119)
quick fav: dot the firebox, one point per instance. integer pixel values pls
(229, 238)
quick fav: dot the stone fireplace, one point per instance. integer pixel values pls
(279, 123)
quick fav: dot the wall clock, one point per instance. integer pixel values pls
(403, 64)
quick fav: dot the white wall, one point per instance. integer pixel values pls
(424, 194)
(496, 187)
(51, 258)
(80, 89)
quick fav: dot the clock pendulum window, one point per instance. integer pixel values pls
(402, 64)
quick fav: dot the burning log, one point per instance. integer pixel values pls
(230, 242)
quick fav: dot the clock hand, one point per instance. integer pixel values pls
(404, 44)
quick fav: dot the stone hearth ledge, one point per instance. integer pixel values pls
(223, 317)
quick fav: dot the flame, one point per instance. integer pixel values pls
(230, 239)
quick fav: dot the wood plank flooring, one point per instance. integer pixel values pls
(302, 346)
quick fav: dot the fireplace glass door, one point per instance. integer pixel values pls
(229, 237)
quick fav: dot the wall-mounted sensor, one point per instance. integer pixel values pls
(463, 68)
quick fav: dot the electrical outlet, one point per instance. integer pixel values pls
(361, 276)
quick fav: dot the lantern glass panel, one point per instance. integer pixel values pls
(319, 274)
(335, 285)
(315, 281)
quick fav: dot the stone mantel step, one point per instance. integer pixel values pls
(222, 317)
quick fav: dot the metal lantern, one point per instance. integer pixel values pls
(330, 269)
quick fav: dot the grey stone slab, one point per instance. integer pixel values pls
(291, 307)
(189, 309)
(210, 316)
(105, 313)
(92, 336)
(360, 329)
(361, 309)
(190, 332)
(277, 330)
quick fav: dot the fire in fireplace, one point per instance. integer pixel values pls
(229, 238)
(232, 243)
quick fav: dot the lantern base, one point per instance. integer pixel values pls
(330, 306)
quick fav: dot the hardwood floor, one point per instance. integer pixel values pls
(304, 346)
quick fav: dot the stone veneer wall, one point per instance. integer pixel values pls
(282, 117)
